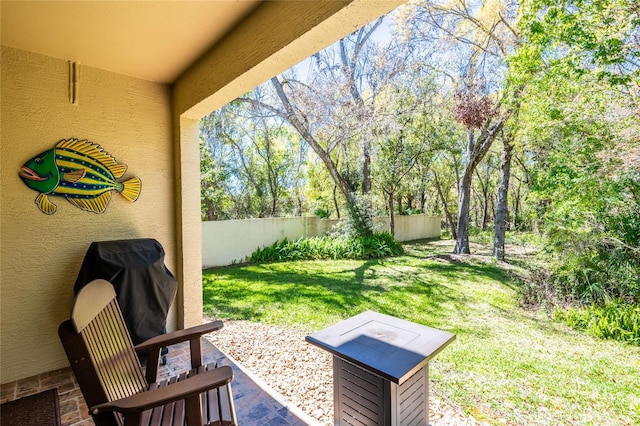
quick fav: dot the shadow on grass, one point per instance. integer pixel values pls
(247, 292)
(425, 290)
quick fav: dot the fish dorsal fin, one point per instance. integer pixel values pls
(96, 152)
(45, 206)
(74, 176)
(118, 170)
(96, 205)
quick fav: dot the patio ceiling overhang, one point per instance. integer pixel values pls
(151, 40)
(274, 37)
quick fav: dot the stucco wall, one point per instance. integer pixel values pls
(414, 227)
(227, 241)
(40, 254)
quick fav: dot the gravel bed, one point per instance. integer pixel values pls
(301, 372)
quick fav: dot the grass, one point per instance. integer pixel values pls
(507, 364)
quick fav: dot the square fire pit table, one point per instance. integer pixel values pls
(380, 369)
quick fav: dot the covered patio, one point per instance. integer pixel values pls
(135, 78)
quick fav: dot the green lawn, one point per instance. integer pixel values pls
(506, 363)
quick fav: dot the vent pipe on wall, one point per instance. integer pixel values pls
(74, 70)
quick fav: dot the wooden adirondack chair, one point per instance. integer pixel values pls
(111, 378)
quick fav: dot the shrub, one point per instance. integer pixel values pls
(593, 244)
(359, 222)
(322, 213)
(377, 245)
(596, 270)
(614, 320)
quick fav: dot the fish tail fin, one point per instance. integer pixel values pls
(131, 188)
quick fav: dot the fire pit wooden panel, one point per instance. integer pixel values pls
(380, 369)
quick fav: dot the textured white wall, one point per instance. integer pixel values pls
(40, 254)
(413, 227)
(227, 241)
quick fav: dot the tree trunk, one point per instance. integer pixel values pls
(502, 210)
(447, 213)
(476, 150)
(392, 225)
(335, 201)
(485, 210)
(482, 201)
(462, 239)
(516, 208)
(422, 192)
(366, 165)
(298, 208)
(274, 204)
(349, 63)
(485, 213)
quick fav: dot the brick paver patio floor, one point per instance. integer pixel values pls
(256, 404)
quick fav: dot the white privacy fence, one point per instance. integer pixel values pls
(227, 241)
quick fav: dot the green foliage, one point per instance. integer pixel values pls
(537, 292)
(614, 320)
(375, 246)
(578, 118)
(249, 167)
(322, 213)
(578, 62)
(594, 242)
(445, 234)
(478, 235)
(359, 222)
(214, 200)
(576, 37)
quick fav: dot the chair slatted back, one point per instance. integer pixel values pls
(98, 320)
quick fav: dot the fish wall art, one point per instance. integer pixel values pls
(80, 171)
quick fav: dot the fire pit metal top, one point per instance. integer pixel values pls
(387, 346)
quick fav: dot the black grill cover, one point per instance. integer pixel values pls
(144, 286)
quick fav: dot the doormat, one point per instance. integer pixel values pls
(41, 409)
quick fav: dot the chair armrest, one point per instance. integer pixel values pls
(183, 389)
(178, 336)
(192, 334)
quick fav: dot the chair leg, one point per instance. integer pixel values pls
(232, 407)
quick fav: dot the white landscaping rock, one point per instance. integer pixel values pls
(302, 372)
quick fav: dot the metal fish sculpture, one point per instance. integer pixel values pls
(80, 171)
